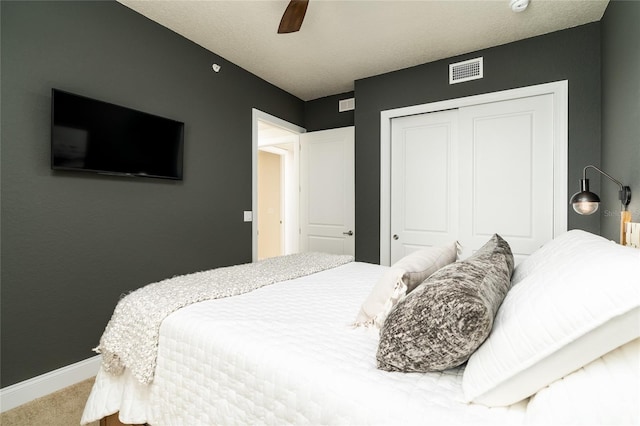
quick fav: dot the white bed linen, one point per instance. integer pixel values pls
(604, 392)
(285, 354)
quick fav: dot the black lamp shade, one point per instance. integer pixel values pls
(585, 202)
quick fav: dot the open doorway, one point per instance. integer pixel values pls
(271, 236)
(275, 186)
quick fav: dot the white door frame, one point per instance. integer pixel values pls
(257, 115)
(558, 89)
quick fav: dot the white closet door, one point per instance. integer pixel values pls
(469, 173)
(424, 182)
(327, 191)
(506, 174)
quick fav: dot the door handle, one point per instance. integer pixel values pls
(395, 236)
(350, 233)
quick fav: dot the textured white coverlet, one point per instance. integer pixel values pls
(131, 337)
(285, 354)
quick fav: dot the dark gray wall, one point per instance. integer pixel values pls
(322, 113)
(620, 111)
(72, 243)
(572, 55)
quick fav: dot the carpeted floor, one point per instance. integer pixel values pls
(62, 408)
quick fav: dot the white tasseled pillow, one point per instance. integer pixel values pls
(403, 276)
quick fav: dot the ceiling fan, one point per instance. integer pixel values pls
(293, 16)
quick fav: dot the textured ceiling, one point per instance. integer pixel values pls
(345, 40)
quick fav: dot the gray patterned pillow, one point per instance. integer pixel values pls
(446, 318)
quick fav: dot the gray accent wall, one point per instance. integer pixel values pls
(323, 113)
(620, 112)
(73, 243)
(572, 55)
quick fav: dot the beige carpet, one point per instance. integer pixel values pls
(62, 408)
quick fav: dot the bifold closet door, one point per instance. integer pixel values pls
(468, 173)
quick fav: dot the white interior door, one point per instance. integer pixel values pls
(327, 191)
(506, 174)
(424, 181)
(468, 173)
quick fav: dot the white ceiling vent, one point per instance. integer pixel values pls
(465, 70)
(347, 105)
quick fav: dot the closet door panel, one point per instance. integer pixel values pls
(506, 179)
(424, 182)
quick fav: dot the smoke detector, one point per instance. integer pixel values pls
(518, 5)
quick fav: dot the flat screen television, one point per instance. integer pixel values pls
(89, 135)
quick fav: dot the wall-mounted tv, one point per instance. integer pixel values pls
(94, 136)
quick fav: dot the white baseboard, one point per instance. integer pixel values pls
(23, 392)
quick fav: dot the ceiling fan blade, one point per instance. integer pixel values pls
(294, 14)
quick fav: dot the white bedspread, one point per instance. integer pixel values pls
(131, 337)
(285, 354)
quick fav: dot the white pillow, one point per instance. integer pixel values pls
(545, 257)
(579, 301)
(606, 391)
(403, 276)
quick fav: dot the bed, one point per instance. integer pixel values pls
(559, 344)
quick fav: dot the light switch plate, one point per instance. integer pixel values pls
(248, 216)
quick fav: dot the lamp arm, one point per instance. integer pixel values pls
(625, 192)
(584, 175)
